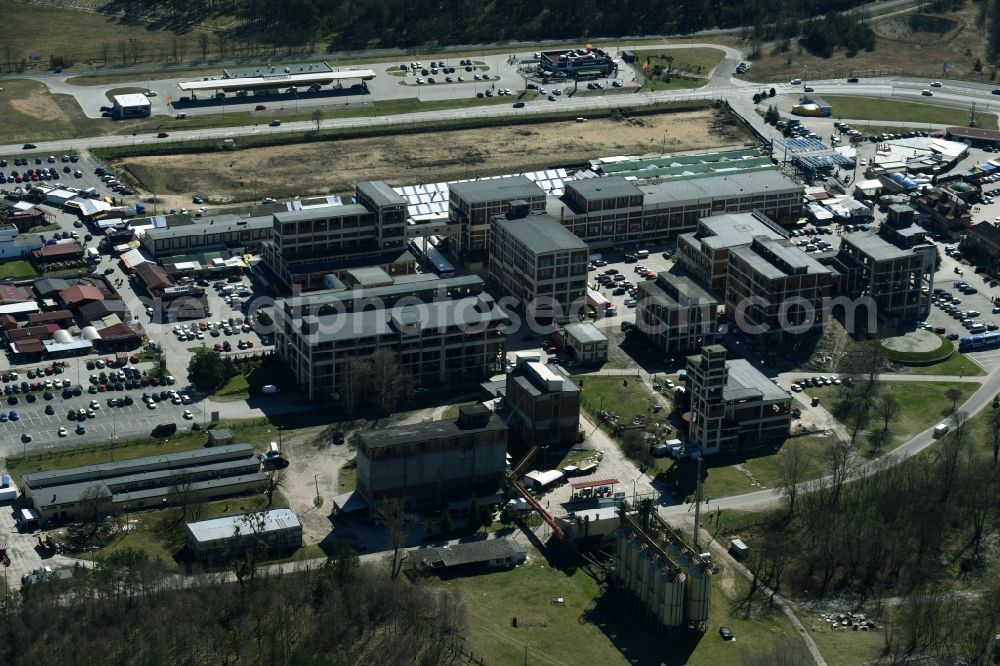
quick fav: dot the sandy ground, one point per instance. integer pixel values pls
(313, 465)
(40, 106)
(335, 166)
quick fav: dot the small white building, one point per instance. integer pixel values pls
(134, 105)
(221, 538)
(541, 479)
(586, 342)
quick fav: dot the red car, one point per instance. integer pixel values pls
(134, 358)
(162, 135)
(260, 107)
(217, 347)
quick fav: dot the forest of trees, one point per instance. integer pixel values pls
(129, 611)
(347, 24)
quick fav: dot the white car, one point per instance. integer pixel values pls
(188, 415)
(150, 405)
(62, 432)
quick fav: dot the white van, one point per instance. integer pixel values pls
(940, 430)
(269, 389)
(93, 254)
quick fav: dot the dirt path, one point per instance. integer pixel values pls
(335, 166)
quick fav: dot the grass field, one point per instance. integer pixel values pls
(955, 365)
(869, 108)
(697, 60)
(675, 83)
(31, 113)
(591, 627)
(17, 269)
(627, 396)
(922, 404)
(60, 31)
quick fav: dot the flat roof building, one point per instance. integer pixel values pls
(223, 232)
(428, 464)
(733, 406)
(132, 105)
(775, 289)
(153, 481)
(453, 341)
(539, 263)
(278, 530)
(584, 342)
(543, 404)
(473, 204)
(676, 313)
(705, 253)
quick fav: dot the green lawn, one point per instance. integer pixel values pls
(956, 365)
(675, 83)
(844, 648)
(59, 30)
(17, 269)
(922, 404)
(347, 477)
(161, 533)
(626, 396)
(235, 387)
(31, 113)
(594, 628)
(874, 108)
(696, 60)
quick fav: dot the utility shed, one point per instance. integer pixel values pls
(231, 536)
(492, 553)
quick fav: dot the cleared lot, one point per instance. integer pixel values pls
(336, 166)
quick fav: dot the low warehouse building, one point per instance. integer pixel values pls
(492, 553)
(279, 530)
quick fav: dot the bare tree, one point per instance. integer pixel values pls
(995, 433)
(96, 504)
(105, 52)
(275, 480)
(317, 115)
(393, 516)
(887, 408)
(953, 394)
(203, 44)
(391, 383)
(791, 468)
(838, 459)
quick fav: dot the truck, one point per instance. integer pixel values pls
(940, 430)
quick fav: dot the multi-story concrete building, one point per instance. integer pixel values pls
(892, 276)
(584, 342)
(537, 261)
(306, 245)
(421, 287)
(733, 406)
(982, 239)
(775, 289)
(613, 210)
(455, 341)
(472, 205)
(428, 464)
(229, 233)
(543, 404)
(705, 253)
(676, 313)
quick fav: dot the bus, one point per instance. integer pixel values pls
(980, 341)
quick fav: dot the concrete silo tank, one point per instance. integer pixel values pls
(699, 594)
(672, 596)
(647, 569)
